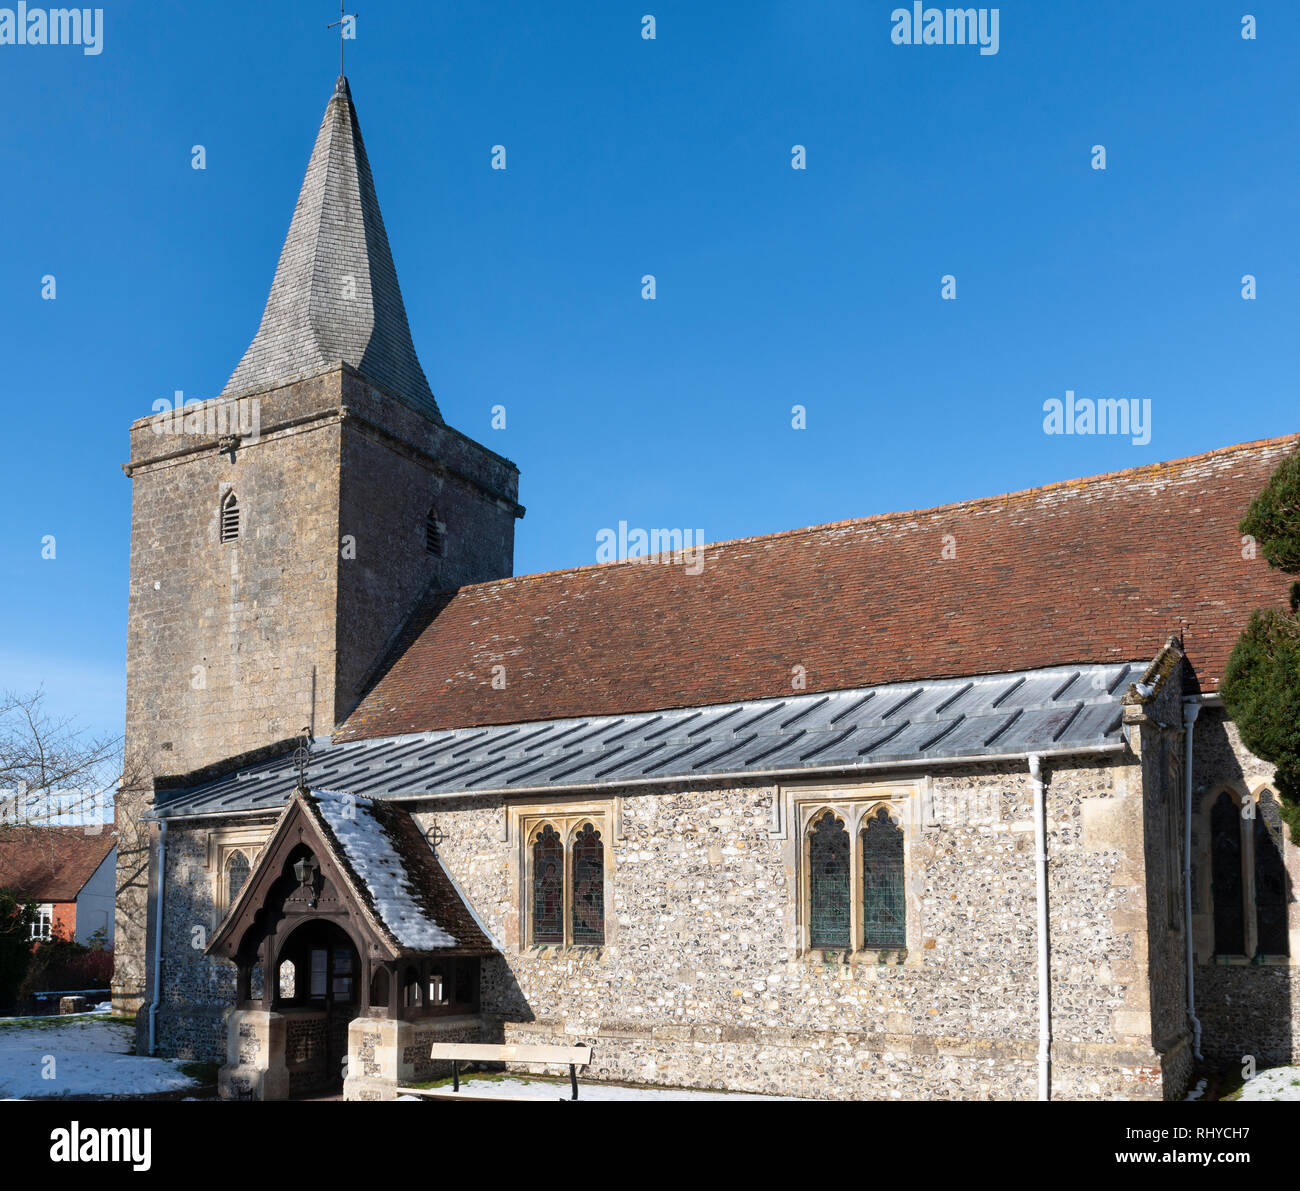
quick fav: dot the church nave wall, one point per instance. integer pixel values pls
(702, 980)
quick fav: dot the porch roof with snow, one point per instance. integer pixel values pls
(386, 867)
(1058, 710)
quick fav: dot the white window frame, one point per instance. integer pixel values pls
(43, 924)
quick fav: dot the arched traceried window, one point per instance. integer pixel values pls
(1270, 891)
(229, 517)
(588, 887)
(435, 534)
(288, 980)
(1226, 877)
(411, 997)
(379, 988)
(828, 884)
(237, 870)
(548, 887)
(884, 908)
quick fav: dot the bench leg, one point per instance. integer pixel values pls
(573, 1081)
(455, 1076)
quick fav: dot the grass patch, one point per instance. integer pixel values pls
(201, 1072)
(1230, 1084)
(471, 1077)
(54, 1020)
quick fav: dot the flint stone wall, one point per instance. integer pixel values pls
(1246, 1008)
(701, 982)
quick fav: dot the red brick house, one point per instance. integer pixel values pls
(67, 873)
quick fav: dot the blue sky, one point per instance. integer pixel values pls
(775, 287)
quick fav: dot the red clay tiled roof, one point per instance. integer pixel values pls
(51, 864)
(1094, 570)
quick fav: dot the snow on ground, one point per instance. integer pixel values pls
(542, 1089)
(78, 1055)
(1277, 1083)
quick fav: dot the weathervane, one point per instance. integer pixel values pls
(347, 30)
(301, 755)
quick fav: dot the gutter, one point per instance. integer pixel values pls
(159, 902)
(1082, 750)
(1191, 709)
(1044, 960)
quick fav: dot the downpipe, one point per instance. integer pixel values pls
(1044, 969)
(158, 939)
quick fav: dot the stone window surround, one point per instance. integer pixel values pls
(223, 842)
(1202, 894)
(523, 823)
(800, 806)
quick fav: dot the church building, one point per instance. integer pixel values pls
(935, 804)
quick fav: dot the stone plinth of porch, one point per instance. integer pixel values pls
(255, 1066)
(384, 1054)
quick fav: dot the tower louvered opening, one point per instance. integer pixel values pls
(435, 534)
(229, 518)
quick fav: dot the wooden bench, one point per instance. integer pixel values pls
(572, 1057)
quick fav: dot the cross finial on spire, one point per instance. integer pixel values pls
(347, 31)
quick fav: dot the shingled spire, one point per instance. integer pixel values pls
(335, 295)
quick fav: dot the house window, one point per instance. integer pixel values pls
(43, 923)
(884, 909)
(229, 517)
(564, 865)
(828, 884)
(1248, 881)
(852, 865)
(435, 534)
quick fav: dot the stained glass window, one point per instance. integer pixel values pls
(588, 887)
(236, 874)
(1270, 891)
(828, 881)
(548, 887)
(1225, 876)
(884, 910)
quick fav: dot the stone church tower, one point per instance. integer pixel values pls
(283, 532)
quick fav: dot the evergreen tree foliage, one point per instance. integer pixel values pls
(16, 918)
(1261, 685)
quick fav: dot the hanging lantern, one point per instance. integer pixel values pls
(305, 870)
